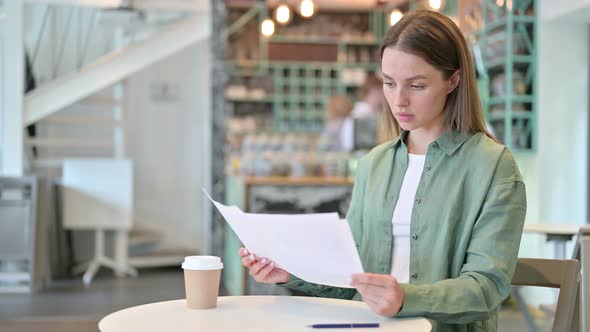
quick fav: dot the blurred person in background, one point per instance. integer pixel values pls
(367, 114)
(369, 98)
(337, 134)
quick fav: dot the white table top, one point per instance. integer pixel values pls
(552, 229)
(254, 313)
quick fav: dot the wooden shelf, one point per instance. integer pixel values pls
(500, 62)
(298, 181)
(496, 116)
(323, 40)
(514, 99)
(250, 100)
(502, 22)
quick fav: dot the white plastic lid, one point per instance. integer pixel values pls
(202, 263)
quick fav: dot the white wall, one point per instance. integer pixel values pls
(556, 176)
(560, 10)
(1, 80)
(166, 141)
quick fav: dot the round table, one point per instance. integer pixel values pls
(254, 313)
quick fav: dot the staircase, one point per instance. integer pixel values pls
(88, 99)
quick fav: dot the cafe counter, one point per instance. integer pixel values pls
(277, 195)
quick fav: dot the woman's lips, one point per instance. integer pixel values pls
(404, 117)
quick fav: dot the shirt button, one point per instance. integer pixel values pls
(418, 200)
(414, 275)
(415, 236)
(435, 145)
(427, 168)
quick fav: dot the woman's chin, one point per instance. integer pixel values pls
(407, 126)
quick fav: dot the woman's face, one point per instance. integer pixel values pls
(415, 90)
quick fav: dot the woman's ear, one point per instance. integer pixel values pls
(454, 81)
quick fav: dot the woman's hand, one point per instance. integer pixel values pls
(381, 292)
(263, 270)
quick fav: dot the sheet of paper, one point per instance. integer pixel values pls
(318, 248)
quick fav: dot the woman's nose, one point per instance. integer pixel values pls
(401, 98)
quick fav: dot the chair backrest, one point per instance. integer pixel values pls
(582, 232)
(582, 253)
(554, 273)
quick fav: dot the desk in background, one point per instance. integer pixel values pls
(254, 313)
(558, 234)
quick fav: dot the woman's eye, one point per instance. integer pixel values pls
(389, 84)
(417, 87)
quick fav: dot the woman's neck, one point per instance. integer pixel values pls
(418, 140)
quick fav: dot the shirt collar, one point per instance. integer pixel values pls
(400, 139)
(449, 142)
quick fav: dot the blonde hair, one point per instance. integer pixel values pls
(339, 106)
(437, 40)
(371, 82)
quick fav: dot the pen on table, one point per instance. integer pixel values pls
(343, 326)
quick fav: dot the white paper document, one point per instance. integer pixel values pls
(317, 248)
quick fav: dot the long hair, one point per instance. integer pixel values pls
(339, 107)
(371, 82)
(437, 40)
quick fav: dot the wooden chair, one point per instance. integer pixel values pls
(582, 253)
(553, 273)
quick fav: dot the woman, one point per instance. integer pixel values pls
(437, 214)
(369, 98)
(338, 130)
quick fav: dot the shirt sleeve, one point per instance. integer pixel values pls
(484, 281)
(355, 220)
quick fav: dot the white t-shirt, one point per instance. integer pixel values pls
(363, 110)
(402, 215)
(339, 133)
(347, 134)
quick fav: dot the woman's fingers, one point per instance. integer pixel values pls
(266, 270)
(243, 252)
(371, 279)
(382, 303)
(382, 293)
(260, 268)
(371, 291)
(249, 260)
(371, 303)
(256, 267)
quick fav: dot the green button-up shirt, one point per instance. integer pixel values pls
(466, 226)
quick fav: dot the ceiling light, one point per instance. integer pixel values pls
(435, 4)
(283, 14)
(268, 27)
(307, 8)
(395, 16)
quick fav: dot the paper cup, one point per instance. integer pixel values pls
(201, 281)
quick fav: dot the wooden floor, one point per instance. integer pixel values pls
(61, 325)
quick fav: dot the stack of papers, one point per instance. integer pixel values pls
(317, 248)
